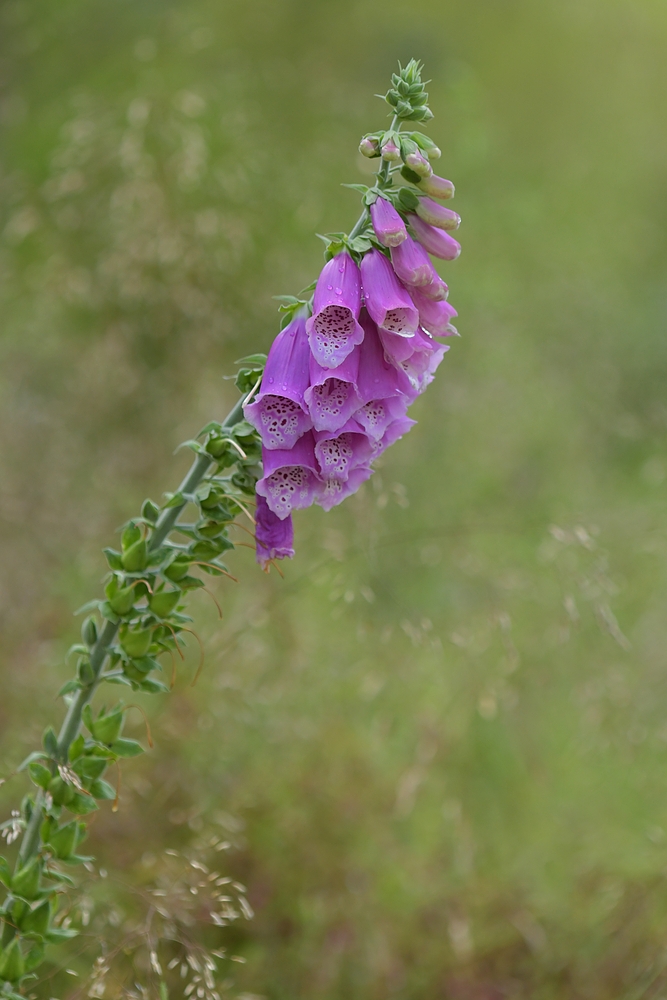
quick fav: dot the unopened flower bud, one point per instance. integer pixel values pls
(437, 187)
(419, 163)
(391, 151)
(369, 147)
(434, 153)
(89, 631)
(437, 215)
(387, 223)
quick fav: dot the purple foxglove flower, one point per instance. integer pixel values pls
(387, 301)
(394, 430)
(379, 414)
(419, 365)
(333, 396)
(437, 187)
(387, 223)
(411, 263)
(279, 412)
(334, 491)
(333, 330)
(434, 315)
(391, 152)
(437, 215)
(291, 478)
(274, 537)
(378, 378)
(434, 240)
(418, 162)
(369, 146)
(437, 289)
(341, 452)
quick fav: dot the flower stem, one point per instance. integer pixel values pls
(72, 722)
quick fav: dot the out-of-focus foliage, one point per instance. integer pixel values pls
(439, 746)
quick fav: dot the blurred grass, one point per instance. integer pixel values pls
(441, 742)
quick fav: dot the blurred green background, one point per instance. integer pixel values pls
(439, 746)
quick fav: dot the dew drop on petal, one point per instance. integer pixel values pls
(271, 380)
(339, 291)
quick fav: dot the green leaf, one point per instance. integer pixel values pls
(152, 686)
(69, 687)
(50, 741)
(253, 360)
(77, 747)
(130, 536)
(58, 934)
(81, 804)
(126, 748)
(150, 511)
(39, 774)
(90, 606)
(101, 789)
(5, 872)
(173, 500)
(35, 755)
(408, 199)
(58, 876)
(193, 445)
(113, 558)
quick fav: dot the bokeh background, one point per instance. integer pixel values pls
(439, 745)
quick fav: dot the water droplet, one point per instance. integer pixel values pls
(271, 381)
(339, 291)
(330, 288)
(341, 268)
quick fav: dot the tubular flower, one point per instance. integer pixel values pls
(274, 537)
(437, 215)
(379, 414)
(334, 491)
(437, 242)
(387, 301)
(340, 453)
(377, 377)
(291, 478)
(387, 223)
(333, 329)
(332, 396)
(279, 412)
(394, 430)
(434, 316)
(417, 358)
(411, 263)
(436, 187)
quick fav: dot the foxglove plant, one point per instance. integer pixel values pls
(332, 395)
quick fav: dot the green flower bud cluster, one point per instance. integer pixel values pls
(407, 96)
(124, 636)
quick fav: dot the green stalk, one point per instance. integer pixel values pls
(72, 722)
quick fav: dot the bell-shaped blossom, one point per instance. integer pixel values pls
(274, 537)
(437, 289)
(279, 412)
(334, 491)
(377, 377)
(291, 478)
(387, 301)
(417, 358)
(436, 187)
(387, 223)
(333, 396)
(417, 162)
(437, 215)
(379, 414)
(435, 316)
(333, 329)
(394, 430)
(411, 263)
(341, 452)
(437, 242)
